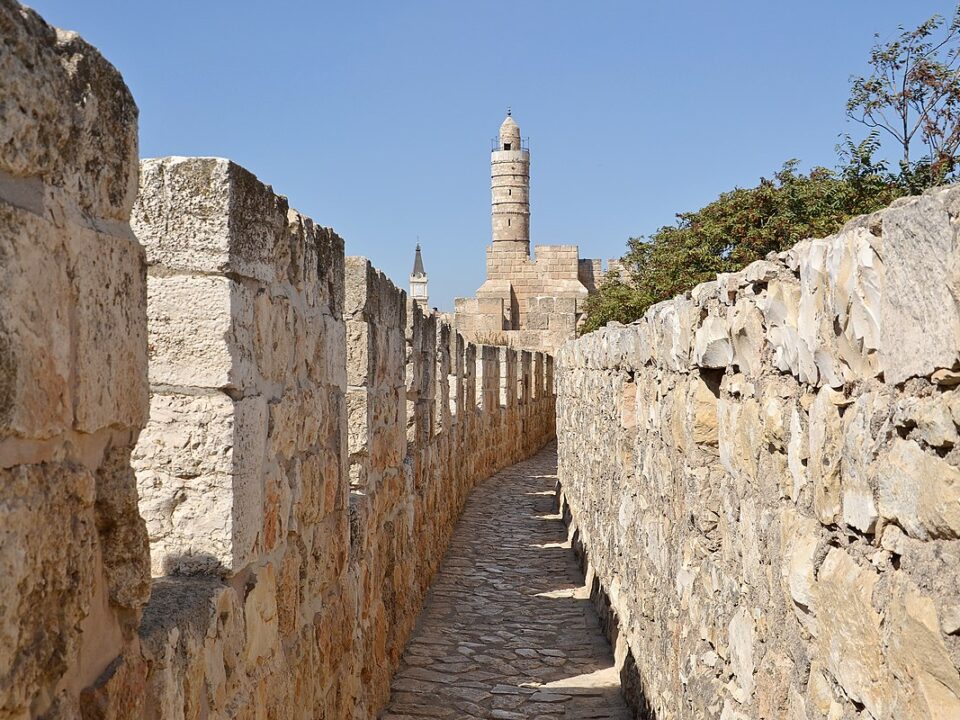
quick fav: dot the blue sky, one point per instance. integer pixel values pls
(375, 117)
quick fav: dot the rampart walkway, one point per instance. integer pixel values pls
(508, 630)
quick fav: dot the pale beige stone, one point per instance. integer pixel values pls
(919, 318)
(920, 491)
(848, 632)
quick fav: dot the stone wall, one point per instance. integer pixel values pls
(308, 437)
(74, 569)
(764, 476)
(529, 303)
(299, 476)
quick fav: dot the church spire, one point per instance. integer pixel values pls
(418, 282)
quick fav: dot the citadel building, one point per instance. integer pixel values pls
(527, 302)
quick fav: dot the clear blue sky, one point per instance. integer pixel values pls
(375, 118)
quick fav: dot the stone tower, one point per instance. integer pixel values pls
(527, 302)
(418, 282)
(510, 189)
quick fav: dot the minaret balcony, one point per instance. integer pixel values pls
(496, 145)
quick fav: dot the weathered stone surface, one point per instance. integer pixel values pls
(74, 128)
(767, 481)
(919, 314)
(302, 447)
(919, 491)
(73, 391)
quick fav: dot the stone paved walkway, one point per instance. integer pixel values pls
(508, 630)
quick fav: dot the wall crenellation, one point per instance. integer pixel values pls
(288, 468)
(74, 568)
(307, 465)
(764, 479)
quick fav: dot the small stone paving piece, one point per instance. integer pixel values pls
(508, 630)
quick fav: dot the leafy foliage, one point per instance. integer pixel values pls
(912, 97)
(742, 226)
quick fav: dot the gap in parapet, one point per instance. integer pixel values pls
(313, 437)
(262, 601)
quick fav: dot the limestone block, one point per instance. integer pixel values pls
(198, 467)
(305, 240)
(928, 681)
(275, 336)
(360, 348)
(746, 334)
(712, 346)
(858, 283)
(919, 491)
(260, 615)
(859, 454)
(702, 414)
(74, 125)
(36, 396)
(742, 634)
(826, 449)
(119, 692)
(848, 632)
(199, 332)
(761, 271)
(124, 546)
(799, 539)
(798, 451)
(932, 418)
(920, 320)
(739, 430)
(111, 334)
(48, 560)
(210, 215)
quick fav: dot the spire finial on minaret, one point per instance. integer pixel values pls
(509, 111)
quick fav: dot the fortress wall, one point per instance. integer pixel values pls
(74, 571)
(299, 475)
(764, 477)
(525, 302)
(308, 438)
(242, 467)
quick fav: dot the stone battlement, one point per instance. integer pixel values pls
(288, 471)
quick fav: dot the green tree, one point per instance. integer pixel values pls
(741, 226)
(913, 96)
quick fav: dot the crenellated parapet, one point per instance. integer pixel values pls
(230, 457)
(308, 449)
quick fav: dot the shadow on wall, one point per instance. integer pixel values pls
(179, 601)
(200, 564)
(631, 682)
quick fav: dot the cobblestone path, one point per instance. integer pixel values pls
(508, 630)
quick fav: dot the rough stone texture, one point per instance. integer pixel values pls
(764, 475)
(508, 630)
(73, 390)
(313, 437)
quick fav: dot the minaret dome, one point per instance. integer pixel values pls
(509, 135)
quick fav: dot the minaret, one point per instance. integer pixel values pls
(418, 283)
(510, 190)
